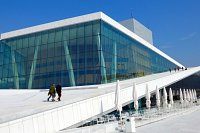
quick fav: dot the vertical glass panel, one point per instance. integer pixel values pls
(6, 58)
(50, 65)
(1, 73)
(24, 53)
(38, 39)
(80, 30)
(65, 33)
(58, 49)
(72, 47)
(80, 45)
(44, 37)
(37, 68)
(51, 36)
(30, 53)
(57, 64)
(1, 58)
(89, 60)
(88, 44)
(31, 40)
(51, 50)
(72, 32)
(19, 43)
(96, 27)
(43, 66)
(58, 36)
(88, 29)
(81, 58)
(43, 51)
(95, 43)
(1, 47)
(25, 42)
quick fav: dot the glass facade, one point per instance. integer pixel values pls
(82, 54)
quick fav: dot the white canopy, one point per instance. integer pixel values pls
(191, 97)
(135, 97)
(171, 96)
(157, 97)
(188, 95)
(181, 96)
(177, 92)
(195, 94)
(184, 95)
(148, 101)
(165, 103)
(118, 103)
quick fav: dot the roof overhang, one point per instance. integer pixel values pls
(82, 19)
(52, 25)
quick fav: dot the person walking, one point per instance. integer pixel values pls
(59, 91)
(52, 92)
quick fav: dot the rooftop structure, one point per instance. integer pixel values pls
(139, 29)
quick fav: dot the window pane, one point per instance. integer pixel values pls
(31, 40)
(51, 36)
(44, 37)
(80, 31)
(51, 50)
(65, 34)
(58, 36)
(96, 27)
(73, 32)
(88, 29)
(25, 42)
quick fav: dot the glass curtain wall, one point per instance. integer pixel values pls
(82, 54)
(126, 58)
(68, 55)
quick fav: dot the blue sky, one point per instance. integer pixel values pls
(175, 23)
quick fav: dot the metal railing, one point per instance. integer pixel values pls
(143, 113)
(142, 117)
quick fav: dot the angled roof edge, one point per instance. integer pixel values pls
(82, 19)
(52, 25)
(137, 38)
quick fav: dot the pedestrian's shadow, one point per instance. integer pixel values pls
(50, 101)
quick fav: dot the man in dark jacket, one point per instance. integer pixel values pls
(59, 91)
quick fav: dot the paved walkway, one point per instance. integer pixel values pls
(188, 123)
(17, 105)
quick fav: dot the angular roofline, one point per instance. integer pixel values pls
(82, 19)
(52, 25)
(137, 38)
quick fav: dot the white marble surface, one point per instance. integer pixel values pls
(18, 105)
(188, 123)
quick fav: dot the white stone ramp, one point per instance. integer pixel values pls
(28, 110)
